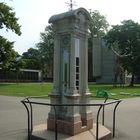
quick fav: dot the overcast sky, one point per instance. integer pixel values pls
(34, 15)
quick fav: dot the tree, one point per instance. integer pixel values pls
(17, 65)
(8, 21)
(99, 25)
(7, 53)
(124, 40)
(46, 48)
(98, 28)
(30, 54)
(31, 59)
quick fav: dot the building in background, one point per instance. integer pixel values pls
(104, 61)
(25, 75)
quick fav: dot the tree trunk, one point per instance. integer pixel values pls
(132, 80)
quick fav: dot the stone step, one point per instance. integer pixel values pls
(40, 132)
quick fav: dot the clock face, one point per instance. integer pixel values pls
(66, 40)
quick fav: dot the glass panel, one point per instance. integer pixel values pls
(77, 69)
(77, 47)
(77, 76)
(77, 83)
(77, 61)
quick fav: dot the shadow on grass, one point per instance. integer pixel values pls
(100, 87)
(7, 84)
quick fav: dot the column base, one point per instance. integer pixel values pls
(40, 132)
(70, 127)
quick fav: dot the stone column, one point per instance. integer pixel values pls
(72, 97)
(86, 114)
(55, 94)
(68, 89)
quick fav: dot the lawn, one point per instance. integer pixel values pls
(25, 89)
(38, 89)
(116, 92)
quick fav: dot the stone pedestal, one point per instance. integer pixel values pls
(70, 128)
(41, 133)
(73, 122)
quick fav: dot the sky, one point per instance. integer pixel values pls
(34, 15)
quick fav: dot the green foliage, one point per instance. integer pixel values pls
(42, 57)
(30, 54)
(7, 53)
(46, 49)
(99, 25)
(31, 59)
(17, 64)
(31, 64)
(8, 19)
(125, 38)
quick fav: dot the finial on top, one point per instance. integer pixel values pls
(71, 4)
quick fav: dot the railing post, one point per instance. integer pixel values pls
(28, 116)
(97, 122)
(31, 109)
(103, 114)
(114, 118)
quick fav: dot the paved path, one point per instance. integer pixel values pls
(13, 119)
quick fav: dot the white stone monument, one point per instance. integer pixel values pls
(71, 72)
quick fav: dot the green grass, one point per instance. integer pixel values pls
(116, 92)
(25, 89)
(39, 89)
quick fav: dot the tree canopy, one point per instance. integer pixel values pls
(99, 25)
(8, 20)
(46, 49)
(7, 53)
(125, 41)
(31, 59)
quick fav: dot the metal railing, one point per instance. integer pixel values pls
(28, 105)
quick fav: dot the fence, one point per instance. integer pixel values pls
(28, 105)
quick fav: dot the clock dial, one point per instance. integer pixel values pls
(66, 40)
